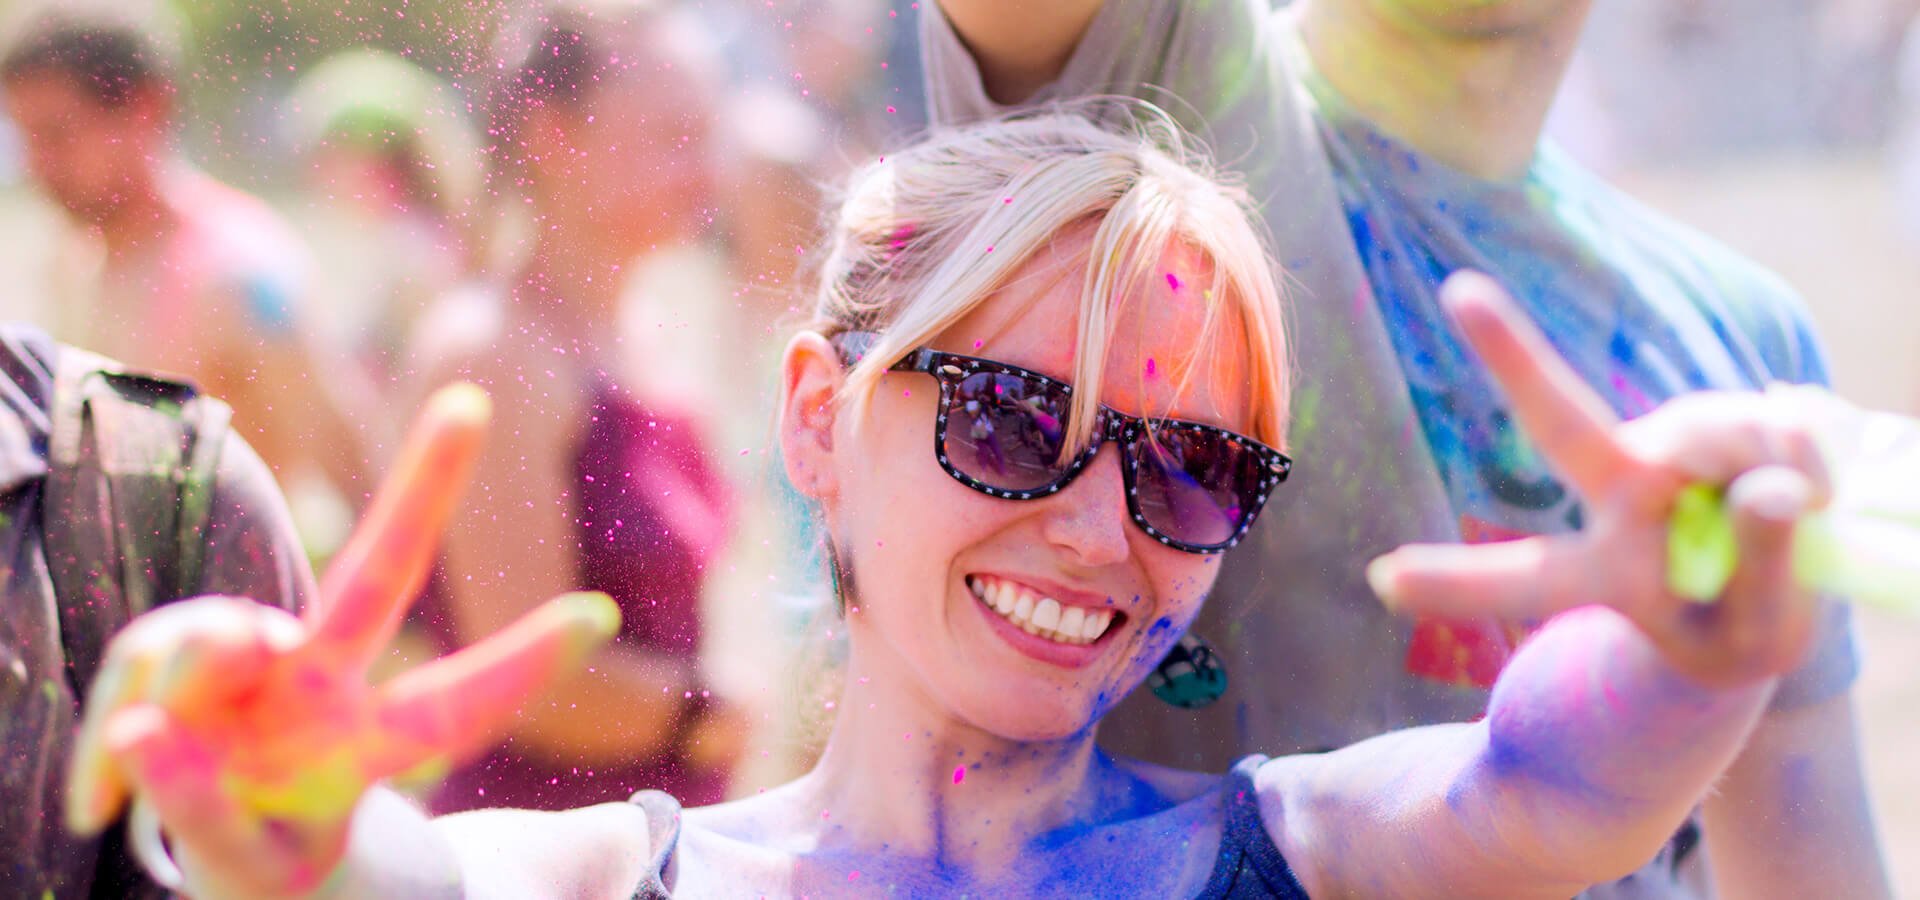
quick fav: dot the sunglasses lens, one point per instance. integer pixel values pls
(1005, 431)
(1195, 486)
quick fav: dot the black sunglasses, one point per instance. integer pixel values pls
(1001, 430)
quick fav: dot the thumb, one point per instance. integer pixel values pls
(1530, 578)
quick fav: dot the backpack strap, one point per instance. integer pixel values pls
(131, 460)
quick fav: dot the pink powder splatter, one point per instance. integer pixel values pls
(1151, 368)
(1173, 282)
(853, 875)
(959, 774)
(901, 235)
(978, 344)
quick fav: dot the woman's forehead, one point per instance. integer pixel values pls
(1160, 359)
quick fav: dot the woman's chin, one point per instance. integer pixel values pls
(1036, 722)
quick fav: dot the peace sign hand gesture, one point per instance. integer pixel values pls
(1629, 476)
(253, 735)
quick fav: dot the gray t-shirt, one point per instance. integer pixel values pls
(251, 551)
(1315, 661)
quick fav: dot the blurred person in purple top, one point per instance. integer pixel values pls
(597, 132)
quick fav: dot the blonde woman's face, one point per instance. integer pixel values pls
(934, 559)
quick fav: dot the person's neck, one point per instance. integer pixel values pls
(1476, 102)
(569, 290)
(142, 220)
(900, 776)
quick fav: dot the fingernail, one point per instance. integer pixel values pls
(1775, 493)
(596, 609)
(1380, 577)
(462, 402)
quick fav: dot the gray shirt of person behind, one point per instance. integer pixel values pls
(251, 551)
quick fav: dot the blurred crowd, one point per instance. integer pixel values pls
(321, 211)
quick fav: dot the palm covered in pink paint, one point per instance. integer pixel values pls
(254, 735)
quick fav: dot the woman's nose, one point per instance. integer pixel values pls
(1089, 519)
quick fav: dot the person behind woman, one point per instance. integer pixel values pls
(389, 165)
(602, 479)
(1046, 389)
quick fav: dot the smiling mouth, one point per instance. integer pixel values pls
(1041, 616)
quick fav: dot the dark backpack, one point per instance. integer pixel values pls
(130, 472)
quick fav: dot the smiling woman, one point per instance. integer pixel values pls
(1009, 264)
(1044, 392)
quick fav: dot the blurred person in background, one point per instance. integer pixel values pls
(193, 511)
(193, 277)
(389, 167)
(600, 475)
(812, 96)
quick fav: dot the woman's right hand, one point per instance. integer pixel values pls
(253, 735)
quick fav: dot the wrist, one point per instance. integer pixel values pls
(390, 849)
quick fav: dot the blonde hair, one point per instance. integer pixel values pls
(925, 236)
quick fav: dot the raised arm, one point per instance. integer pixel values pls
(254, 737)
(1467, 82)
(1019, 45)
(1592, 753)
(1614, 719)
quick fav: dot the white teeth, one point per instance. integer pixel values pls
(1072, 623)
(1046, 615)
(1096, 625)
(1041, 616)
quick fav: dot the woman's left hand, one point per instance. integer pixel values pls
(1629, 475)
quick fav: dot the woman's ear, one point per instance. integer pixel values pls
(810, 380)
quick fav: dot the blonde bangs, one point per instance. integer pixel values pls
(923, 239)
(1162, 211)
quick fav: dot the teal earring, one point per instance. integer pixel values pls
(1191, 675)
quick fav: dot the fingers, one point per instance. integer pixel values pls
(190, 657)
(181, 777)
(1570, 423)
(1767, 615)
(96, 788)
(1532, 578)
(451, 707)
(221, 653)
(1712, 437)
(383, 566)
(178, 775)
